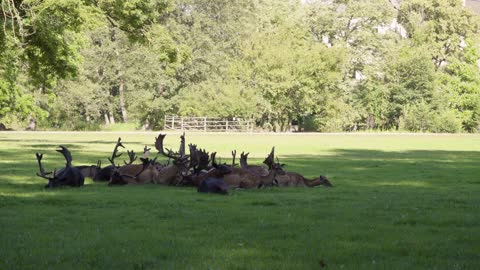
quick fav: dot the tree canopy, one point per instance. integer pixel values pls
(338, 65)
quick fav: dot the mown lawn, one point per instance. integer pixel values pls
(399, 202)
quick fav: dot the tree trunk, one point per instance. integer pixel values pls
(121, 84)
(107, 121)
(112, 119)
(122, 100)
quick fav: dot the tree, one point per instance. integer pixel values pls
(46, 37)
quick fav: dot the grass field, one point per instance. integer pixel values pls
(399, 202)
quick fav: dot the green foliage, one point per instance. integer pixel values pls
(338, 65)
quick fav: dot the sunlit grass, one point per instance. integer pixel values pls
(399, 202)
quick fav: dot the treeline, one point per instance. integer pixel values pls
(324, 65)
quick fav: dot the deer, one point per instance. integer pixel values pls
(242, 178)
(203, 171)
(106, 172)
(293, 179)
(68, 176)
(211, 180)
(260, 170)
(90, 171)
(131, 173)
(173, 173)
(213, 185)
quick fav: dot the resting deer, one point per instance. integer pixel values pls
(214, 172)
(213, 185)
(292, 179)
(242, 178)
(260, 170)
(68, 176)
(90, 171)
(131, 173)
(106, 172)
(171, 174)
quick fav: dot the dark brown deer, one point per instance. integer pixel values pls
(213, 185)
(216, 171)
(68, 176)
(106, 172)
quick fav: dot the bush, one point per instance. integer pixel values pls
(447, 122)
(422, 118)
(418, 118)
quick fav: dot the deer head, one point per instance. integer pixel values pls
(323, 180)
(68, 176)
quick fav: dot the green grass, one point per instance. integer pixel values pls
(399, 202)
(120, 127)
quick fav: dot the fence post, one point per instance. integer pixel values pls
(173, 122)
(226, 125)
(181, 123)
(205, 124)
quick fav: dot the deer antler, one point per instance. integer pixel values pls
(42, 173)
(146, 151)
(234, 154)
(159, 145)
(181, 150)
(194, 159)
(115, 151)
(270, 158)
(66, 154)
(203, 159)
(243, 159)
(212, 159)
(170, 153)
(131, 156)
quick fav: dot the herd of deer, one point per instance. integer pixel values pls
(198, 168)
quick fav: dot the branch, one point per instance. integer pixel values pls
(4, 20)
(13, 21)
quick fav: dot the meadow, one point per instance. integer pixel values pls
(399, 201)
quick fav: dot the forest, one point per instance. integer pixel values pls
(321, 65)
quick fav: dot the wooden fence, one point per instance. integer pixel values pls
(207, 124)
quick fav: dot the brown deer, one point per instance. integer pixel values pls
(171, 174)
(260, 170)
(68, 176)
(293, 179)
(242, 178)
(90, 171)
(131, 173)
